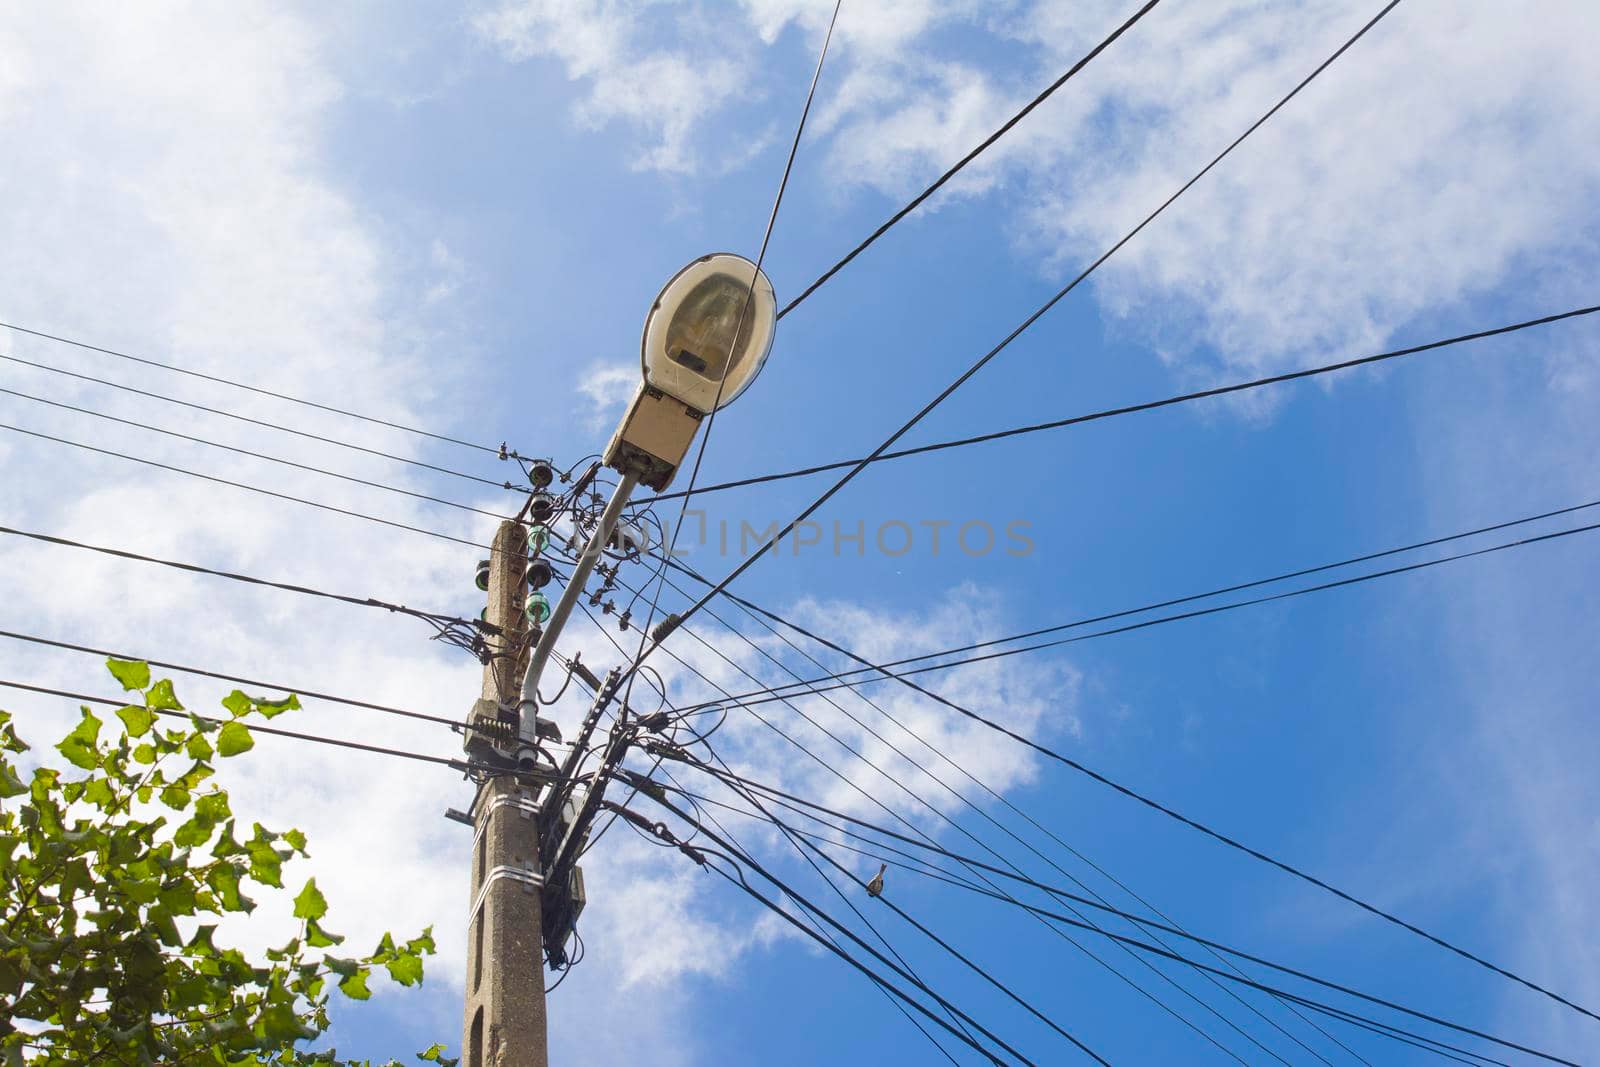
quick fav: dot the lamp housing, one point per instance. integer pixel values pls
(705, 339)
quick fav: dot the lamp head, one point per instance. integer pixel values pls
(705, 339)
(709, 332)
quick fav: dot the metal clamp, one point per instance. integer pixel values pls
(526, 807)
(530, 880)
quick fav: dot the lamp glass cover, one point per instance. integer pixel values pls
(689, 348)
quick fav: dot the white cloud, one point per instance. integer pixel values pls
(666, 93)
(607, 386)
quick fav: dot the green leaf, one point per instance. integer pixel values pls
(422, 945)
(198, 747)
(237, 703)
(317, 937)
(138, 720)
(162, 697)
(234, 739)
(310, 904)
(354, 985)
(132, 673)
(175, 796)
(145, 754)
(10, 784)
(81, 745)
(405, 968)
(295, 840)
(272, 708)
(341, 966)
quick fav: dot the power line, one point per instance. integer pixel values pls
(259, 422)
(195, 568)
(454, 724)
(853, 751)
(882, 672)
(245, 486)
(733, 343)
(1142, 921)
(1176, 815)
(453, 764)
(935, 938)
(251, 388)
(1013, 335)
(255, 455)
(978, 809)
(1150, 405)
(744, 860)
(1049, 90)
(831, 884)
(899, 784)
(1201, 827)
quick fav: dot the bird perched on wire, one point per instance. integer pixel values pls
(875, 887)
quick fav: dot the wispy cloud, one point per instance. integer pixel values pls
(606, 387)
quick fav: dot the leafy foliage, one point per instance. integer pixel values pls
(116, 873)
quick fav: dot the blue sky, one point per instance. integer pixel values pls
(459, 217)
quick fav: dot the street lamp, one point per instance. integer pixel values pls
(705, 339)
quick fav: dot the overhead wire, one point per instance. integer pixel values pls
(960, 164)
(873, 668)
(743, 861)
(925, 931)
(453, 764)
(898, 783)
(748, 784)
(289, 497)
(885, 674)
(352, 446)
(733, 342)
(972, 370)
(936, 812)
(976, 808)
(869, 925)
(454, 724)
(257, 455)
(218, 379)
(1129, 409)
(1235, 844)
(287, 587)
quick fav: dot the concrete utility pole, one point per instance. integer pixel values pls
(505, 1022)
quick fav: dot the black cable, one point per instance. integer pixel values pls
(962, 379)
(926, 932)
(733, 343)
(454, 724)
(258, 455)
(867, 922)
(1287, 868)
(251, 388)
(245, 486)
(1358, 579)
(745, 860)
(871, 799)
(1049, 90)
(195, 568)
(899, 784)
(453, 764)
(258, 422)
(1129, 916)
(911, 862)
(986, 816)
(1232, 842)
(1150, 405)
